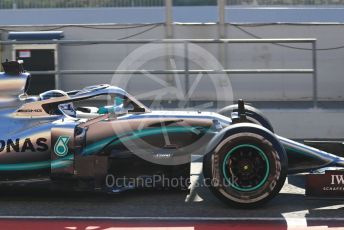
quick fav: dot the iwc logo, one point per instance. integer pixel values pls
(337, 183)
(330, 184)
(337, 179)
(61, 146)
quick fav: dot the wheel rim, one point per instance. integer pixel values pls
(246, 167)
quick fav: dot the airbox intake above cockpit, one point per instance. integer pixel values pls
(13, 81)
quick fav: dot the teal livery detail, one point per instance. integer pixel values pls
(59, 163)
(61, 146)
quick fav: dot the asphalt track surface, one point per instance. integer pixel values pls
(154, 209)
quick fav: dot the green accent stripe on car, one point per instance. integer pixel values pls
(296, 147)
(261, 153)
(58, 163)
(98, 146)
(62, 162)
(299, 151)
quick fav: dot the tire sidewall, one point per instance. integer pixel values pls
(264, 140)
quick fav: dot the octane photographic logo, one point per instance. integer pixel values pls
(174, 96)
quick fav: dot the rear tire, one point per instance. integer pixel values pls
(247, 167)
(253, 115)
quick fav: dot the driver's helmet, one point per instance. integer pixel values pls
(68, 108)
(117, 107)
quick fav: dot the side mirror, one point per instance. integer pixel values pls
(67, 112)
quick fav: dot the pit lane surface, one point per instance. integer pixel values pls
(168, 209)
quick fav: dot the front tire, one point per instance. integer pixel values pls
(247, 168)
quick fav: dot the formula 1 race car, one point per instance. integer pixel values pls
(48, 139)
